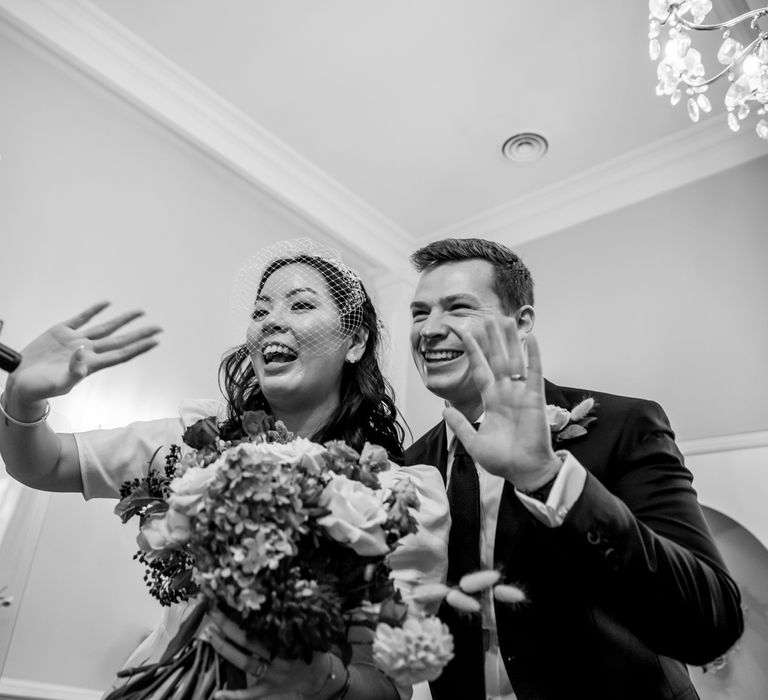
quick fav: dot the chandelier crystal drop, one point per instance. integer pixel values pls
(680, 68)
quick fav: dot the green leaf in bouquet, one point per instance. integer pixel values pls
(393, 612)
(381, 591)
(203, 433)
(156, 508)
(137, 503)
(182, 579)
(186, 632)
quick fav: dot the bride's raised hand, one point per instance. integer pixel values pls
(68, 352)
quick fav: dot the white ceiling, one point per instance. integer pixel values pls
(407, 103)
(383, 121)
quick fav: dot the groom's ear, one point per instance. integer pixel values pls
(357, 347)
(526, 319)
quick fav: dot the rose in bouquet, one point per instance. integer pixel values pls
(285, 537)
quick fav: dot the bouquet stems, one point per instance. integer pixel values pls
(190, 669)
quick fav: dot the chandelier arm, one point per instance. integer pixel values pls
(760, 12)
(747, 49)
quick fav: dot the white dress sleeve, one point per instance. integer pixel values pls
(422, 557)
(110, 457)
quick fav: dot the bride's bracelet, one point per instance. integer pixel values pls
(21, 423)
(341, 692)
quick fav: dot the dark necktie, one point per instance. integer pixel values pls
(464, 501)
(463, 677)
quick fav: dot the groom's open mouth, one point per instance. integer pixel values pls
(278, 353)
(434, 357)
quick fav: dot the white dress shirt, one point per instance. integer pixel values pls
(565, 491)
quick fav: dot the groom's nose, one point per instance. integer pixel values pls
(434, 325)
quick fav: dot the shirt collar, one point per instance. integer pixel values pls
(451, 436)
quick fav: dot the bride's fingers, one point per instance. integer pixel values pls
(84, 316)
(78, 363)
(116, 357)
(245, 661)
(120, 341)
(109, 327)
(232, 631)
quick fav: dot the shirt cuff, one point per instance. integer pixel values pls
(565, 492)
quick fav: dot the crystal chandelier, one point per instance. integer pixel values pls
(680, 67)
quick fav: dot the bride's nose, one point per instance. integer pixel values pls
(275, 320)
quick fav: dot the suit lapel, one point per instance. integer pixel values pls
(431, 448)
(553, 394)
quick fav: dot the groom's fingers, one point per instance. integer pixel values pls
(535, 375)
(461, 427)
(516, 364)
(482, 374)
(498, 351)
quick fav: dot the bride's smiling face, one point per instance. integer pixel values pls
(296, 343)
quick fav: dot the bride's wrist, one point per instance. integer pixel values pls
(336, 682)
(19, 411)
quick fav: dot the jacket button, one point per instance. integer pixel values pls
(593, 537)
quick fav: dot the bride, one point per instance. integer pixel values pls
(309, 359)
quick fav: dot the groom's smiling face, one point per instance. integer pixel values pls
(451, 298)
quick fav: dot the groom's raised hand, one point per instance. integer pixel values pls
(513, 440)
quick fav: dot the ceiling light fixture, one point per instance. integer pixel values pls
(525, 147)
(745, 66)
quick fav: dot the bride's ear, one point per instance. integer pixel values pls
(357, 348)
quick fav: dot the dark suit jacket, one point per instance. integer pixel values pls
(620, 595)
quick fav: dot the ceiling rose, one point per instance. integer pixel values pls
(525, 147)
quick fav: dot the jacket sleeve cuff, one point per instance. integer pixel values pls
(565, 492)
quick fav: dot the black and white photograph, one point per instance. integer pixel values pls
(356, 350)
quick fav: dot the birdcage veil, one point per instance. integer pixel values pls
(267, 271)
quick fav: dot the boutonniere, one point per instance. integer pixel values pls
(565, 424)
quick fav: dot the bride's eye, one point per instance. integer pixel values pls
(258, 314)
(302, 306)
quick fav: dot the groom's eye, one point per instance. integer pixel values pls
(459, 307)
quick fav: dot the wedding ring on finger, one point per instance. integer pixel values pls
(516, 377)
(257, 667)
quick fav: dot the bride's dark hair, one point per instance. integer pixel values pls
(366, 410)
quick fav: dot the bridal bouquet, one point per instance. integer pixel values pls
(286, 537)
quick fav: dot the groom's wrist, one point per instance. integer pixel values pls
(540, 487)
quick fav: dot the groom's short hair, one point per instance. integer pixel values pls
(513, 283)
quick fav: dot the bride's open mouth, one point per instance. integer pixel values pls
(278, 353)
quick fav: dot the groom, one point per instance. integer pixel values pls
(602, 531)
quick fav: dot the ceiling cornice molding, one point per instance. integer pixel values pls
(674, 161)
(101, 47)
